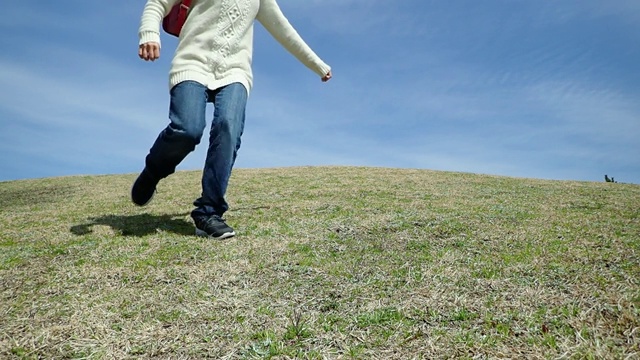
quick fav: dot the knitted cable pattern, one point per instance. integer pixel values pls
(216, 42)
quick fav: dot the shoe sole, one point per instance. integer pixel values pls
(226, 235)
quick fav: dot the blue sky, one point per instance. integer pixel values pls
(539, 89)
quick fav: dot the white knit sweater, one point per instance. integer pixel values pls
(216, 42)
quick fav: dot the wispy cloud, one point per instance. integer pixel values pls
(79, 111)
(512, 88)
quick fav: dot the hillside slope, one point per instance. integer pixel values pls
(329, 262)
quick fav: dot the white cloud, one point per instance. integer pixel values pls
(417, 84)
(71, 101)
(603, 115)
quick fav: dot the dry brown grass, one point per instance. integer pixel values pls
(330, 262)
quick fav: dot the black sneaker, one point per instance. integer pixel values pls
(213, 226)
(143, 189)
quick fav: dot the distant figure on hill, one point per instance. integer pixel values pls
(212, 63)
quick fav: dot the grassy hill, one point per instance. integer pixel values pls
(329, 262)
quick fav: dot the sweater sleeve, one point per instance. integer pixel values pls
(272, 18)
(152, 15)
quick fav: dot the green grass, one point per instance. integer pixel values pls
(330, 262)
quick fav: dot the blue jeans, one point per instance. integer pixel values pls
(187, 114)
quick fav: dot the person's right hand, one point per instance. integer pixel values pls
(149, 51)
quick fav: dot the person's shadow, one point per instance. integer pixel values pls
(138, 225)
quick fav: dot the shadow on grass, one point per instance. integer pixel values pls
(138, 225)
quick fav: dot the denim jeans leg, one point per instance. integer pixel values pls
(187, 114)
(224, 141)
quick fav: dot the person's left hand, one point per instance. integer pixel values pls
(326, 77)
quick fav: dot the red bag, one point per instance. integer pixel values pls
(172, 23)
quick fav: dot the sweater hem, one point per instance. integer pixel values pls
(148, 36)
(208, 80)
(323, 70)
